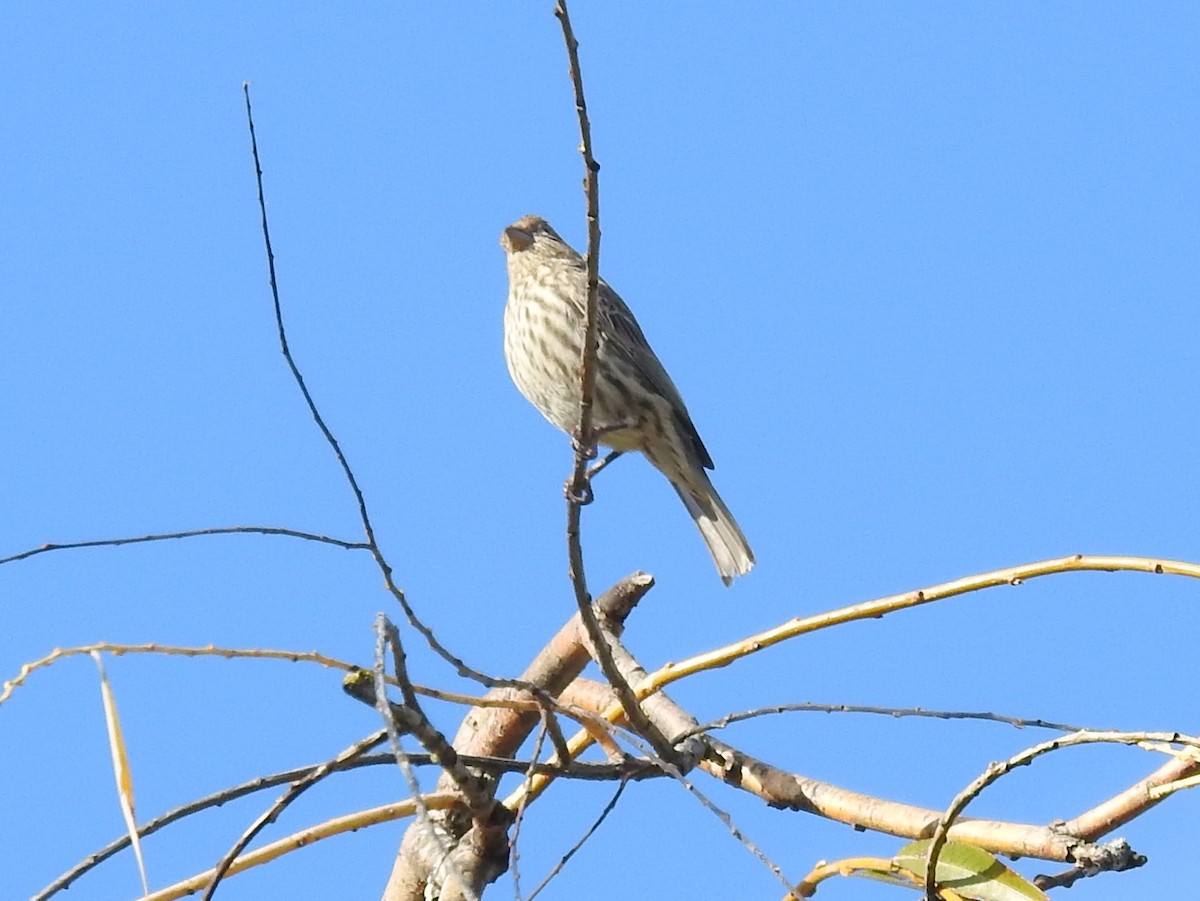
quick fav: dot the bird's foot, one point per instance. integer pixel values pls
(583, 496)
(597, 467)
(599, 432)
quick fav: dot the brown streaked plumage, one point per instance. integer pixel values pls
(636, 406)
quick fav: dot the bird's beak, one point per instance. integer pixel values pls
(514, 239)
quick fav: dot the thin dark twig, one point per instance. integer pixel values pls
(283, 341)
(726, 818)
(364, 516)
(460, 666)
(294, 791)
(673, 720)
(190, 533)
(895, 712)
(216, 799)
(385, 568)
(514, 857)
(578, 489)
(608, 808)
(585, 441)
(631, 771)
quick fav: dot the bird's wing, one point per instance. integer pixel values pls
(621, 334)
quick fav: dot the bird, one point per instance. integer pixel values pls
(635, 405)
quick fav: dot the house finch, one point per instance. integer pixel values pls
(635, 406)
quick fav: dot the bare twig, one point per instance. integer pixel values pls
(1118, 810)
(557, 740)
(283, 341)
(305, 838)
(673, 721)
(723, 656)
(502, 731)
(514, 857)
(529, 705)
(294, 791)
(431, 739)
(894, 712)
(608, 808)
(385, 632)
(584, 438)
(678, 714)
(634, 771)
(792, 791)
(190, 533)
(371, 544)
(578, 489)
(1014, 575)
(996, 771)
(1111, 857)
(169, 650)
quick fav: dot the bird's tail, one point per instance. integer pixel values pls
(728, 546)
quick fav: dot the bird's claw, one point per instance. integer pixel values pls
(583, 496)
(587, 451)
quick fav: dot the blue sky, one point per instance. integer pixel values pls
(926, 275)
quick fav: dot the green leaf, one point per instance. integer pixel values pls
(971, 872)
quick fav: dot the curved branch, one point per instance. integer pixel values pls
(995, 771)
(500, 730)
(337, 826)
(1014, 575)
(189, 533)
(283, 340)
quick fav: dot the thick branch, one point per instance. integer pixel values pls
(499, 732)
(1132, 802)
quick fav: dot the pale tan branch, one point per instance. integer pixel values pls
(1014, 575)
(1160, 741)
(337, 826)
(1132, 802)
(498, 731)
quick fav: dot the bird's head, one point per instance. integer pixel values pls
(532, 232)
